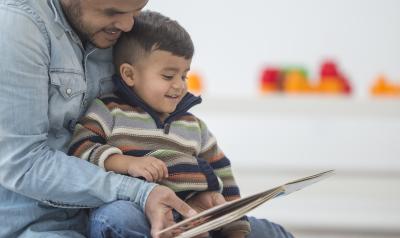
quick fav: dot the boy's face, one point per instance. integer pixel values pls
(160, 80)
(102, 21)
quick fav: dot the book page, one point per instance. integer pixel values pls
(225, 213)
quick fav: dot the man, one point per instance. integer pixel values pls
(55, 57)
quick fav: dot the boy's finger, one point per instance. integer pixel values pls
(164, 167)
(218, 199)
(147, 176)
(153, 172)
(159, 171)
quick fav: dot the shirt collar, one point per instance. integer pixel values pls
(61, 20)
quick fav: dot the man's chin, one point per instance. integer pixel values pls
(103, 44)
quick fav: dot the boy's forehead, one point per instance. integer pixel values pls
(168, 61)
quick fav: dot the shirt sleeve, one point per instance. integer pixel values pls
(28, 165)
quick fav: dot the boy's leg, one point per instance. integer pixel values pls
(265, 228)
(118, 219)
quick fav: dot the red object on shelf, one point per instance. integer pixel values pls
(329, 69)
(270, 75)
(270, 78)
(346, 84)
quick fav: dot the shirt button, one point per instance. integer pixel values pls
(69, 91)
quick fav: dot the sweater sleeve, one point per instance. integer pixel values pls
(211, 152)
(89, 141)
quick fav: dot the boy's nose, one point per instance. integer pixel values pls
(178, 84)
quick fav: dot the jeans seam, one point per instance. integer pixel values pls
(109, 226)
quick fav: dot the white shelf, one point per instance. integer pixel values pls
(304, 105)
(307, 132)
(271, 140)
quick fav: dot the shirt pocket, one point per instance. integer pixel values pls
(69, 84)
(66, 98)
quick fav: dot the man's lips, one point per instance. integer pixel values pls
(113, 34)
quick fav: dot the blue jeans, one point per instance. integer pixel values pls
(126, 219)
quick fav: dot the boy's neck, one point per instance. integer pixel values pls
(162, 116)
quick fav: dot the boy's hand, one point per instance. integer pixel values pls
(237, 235)
(205, 200)
(148, 167)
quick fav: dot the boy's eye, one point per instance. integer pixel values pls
(168, 77)
(184, 78)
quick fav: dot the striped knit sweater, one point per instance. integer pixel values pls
(122, 123)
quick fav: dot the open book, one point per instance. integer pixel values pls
(231, 211)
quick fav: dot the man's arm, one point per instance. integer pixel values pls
(28, 166)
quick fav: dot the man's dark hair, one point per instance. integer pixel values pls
(152, 31)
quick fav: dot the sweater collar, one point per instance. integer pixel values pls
(123, 91)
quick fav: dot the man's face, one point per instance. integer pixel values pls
(102, 21)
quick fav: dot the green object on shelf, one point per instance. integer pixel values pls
(302, 70)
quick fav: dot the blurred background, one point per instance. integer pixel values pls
(295, 87)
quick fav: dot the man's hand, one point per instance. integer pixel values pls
(148, 167)
(158, 209)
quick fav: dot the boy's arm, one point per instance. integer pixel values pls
(89, 141)
(222, 168)
(219, 162)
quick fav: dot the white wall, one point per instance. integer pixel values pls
(271, 140)
(235, 39)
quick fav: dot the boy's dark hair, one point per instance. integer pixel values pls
(152, 31)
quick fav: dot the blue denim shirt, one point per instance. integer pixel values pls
(47, 79)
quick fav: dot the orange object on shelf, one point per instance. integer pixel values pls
(295, 82)
(380, 85)
(331, 85)
(383, 87)
(195, 83)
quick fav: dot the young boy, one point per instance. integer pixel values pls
(144, 129)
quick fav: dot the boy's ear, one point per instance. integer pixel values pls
(127, 74)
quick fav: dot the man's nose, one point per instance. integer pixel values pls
(125, 22)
